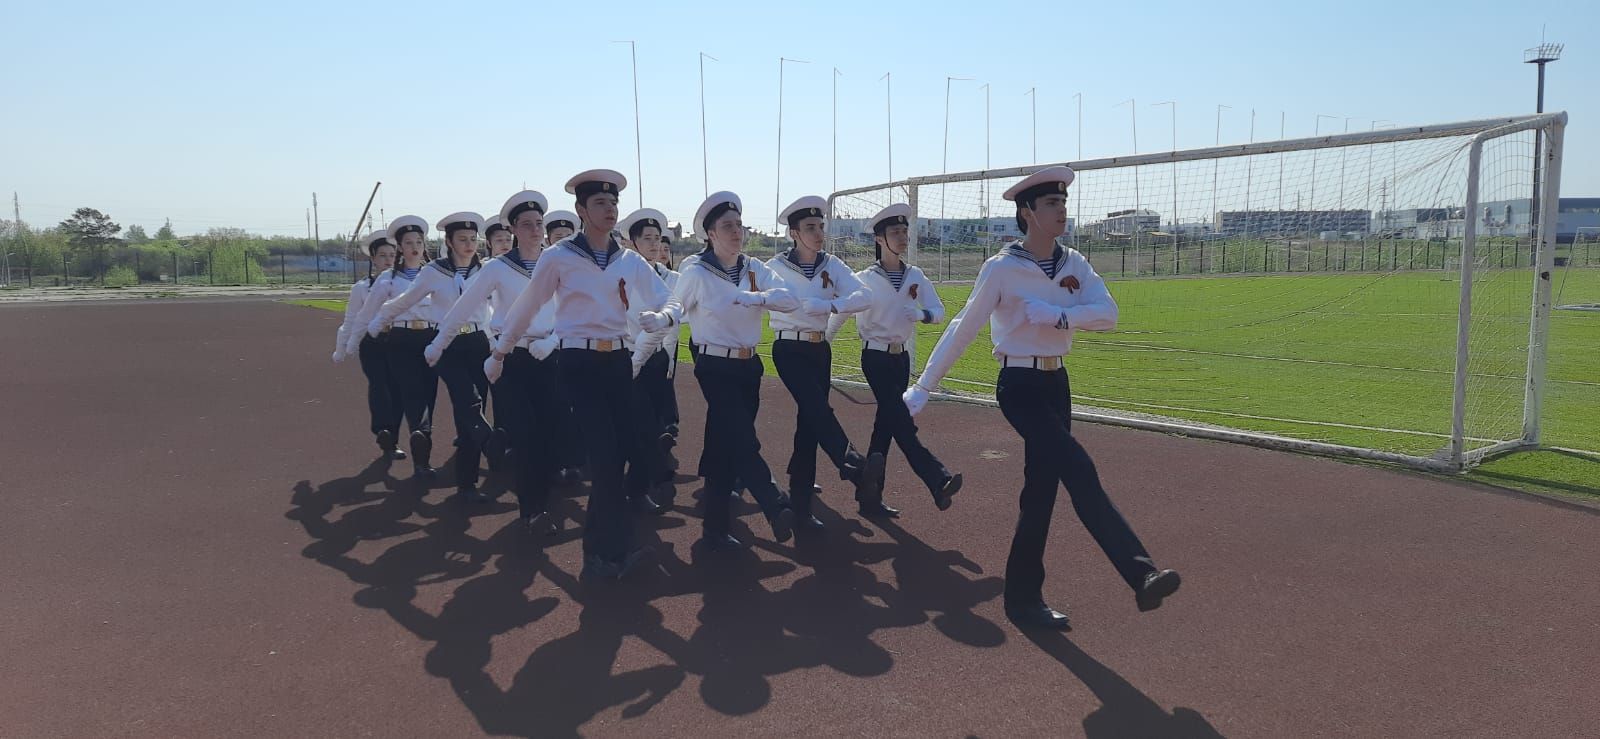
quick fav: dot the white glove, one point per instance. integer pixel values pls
(744, 298)
(640, 356)
(815, 307)
(338, 355)
(432, 353)
(916, 398)
(492, 368)
(1042, 313)
(653, 321)
(913, 312)
(541, 349)
(374, 328)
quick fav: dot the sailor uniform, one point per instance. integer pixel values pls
(460, 359)
(723, 305)
(804, 360)
(887, 329)
(1033, 309)
(383, 392)
(525, 395)
(402, 346)
(592, 303)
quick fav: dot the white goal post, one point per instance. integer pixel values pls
(1383, 295)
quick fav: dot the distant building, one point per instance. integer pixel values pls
(1420, 223)
(1123, 224)
(1510, 217)
(1293, 222)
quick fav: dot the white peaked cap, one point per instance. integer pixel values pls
(473, 221)
(1060, 176)
(642, 214)
(710, 204)
(400, 225)
(561, 215)
(895, 214)
(810, 206)
(520, 202)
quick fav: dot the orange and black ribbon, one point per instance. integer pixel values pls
(1070, 283)
(913, 291)
(752, 275)
(622, 292)
(827, 282)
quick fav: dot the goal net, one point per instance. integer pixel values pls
(1372, 294)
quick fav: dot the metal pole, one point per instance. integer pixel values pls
(638, 145)
(836, 74)
(316, 230)
(705, 167)
(1133, 112)
(1076, 226)
(1539, 324)
(888, 113)
(778, 187)
(1215, 162)
(1458, 410)
(1034, 103)
(1174, 234)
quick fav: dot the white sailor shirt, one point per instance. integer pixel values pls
(591, 302)
(441, 285)
(352, 310)
(704, 300)
(885, 321)
(831, 281)
(500, 281)
(389, 284)
(1006, 281)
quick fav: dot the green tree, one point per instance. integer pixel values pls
(136, 235)
(165, 232)
(90, 232)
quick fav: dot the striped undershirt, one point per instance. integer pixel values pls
(896, 277)
(528, 264)
(810, 269)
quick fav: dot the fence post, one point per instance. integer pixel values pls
(1124, 271)
(211, 268)
(174, 268)
(319, 266)
(283, 275)
(64, 279)
(246, 269)
(137, 278)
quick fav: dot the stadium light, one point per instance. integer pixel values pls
(1541, 55)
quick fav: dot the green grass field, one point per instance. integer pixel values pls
(1359, 359)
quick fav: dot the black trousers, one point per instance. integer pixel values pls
(461, 368)
(732, 388)
(669, 393)
(806, 368)
(648, 463)
(533, 411)
(569, 442)
(888, 375)
(600, 387)
(1038, 404)
(419, 384)
(383, 390)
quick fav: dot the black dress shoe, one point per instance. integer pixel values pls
(648, 505)
(632, 560)
(672, 428)
(385, 439)
(948, 490)
(397, 454)
(596, 569)
(878, 510)
(783, 524)
(664, 494)
(421, 449)
(542, 524)
(570, 476)
(472, 494)
(720, 543)
(1038, 616)
(1157, 586)
(809, 522)
(666, 441)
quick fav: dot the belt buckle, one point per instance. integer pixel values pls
(897, 348)
(466, 329)
(602, 345)
(814, 337)
(1047, 363)
(743, 353)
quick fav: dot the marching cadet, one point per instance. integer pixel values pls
(654, 245)
(383, 393)
(721, 295)
(460, 364)
(500, 239)
(408, 333)
(558, 225)
(525, 395)
(595, 283)
(825, 286)
(902, 297)
(1035, 295)
(650, 471)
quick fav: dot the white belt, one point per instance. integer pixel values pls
(1040, 363)
(808, 336)
(727, 352)
(878, 346)
(526, 342)
(595, 345)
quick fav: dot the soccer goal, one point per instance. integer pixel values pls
(1383, 295)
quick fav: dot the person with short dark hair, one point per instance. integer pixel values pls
(595, 283)
(722, 295)
(383, 392)
(1034, 295)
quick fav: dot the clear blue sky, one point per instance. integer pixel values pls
(215, 115)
